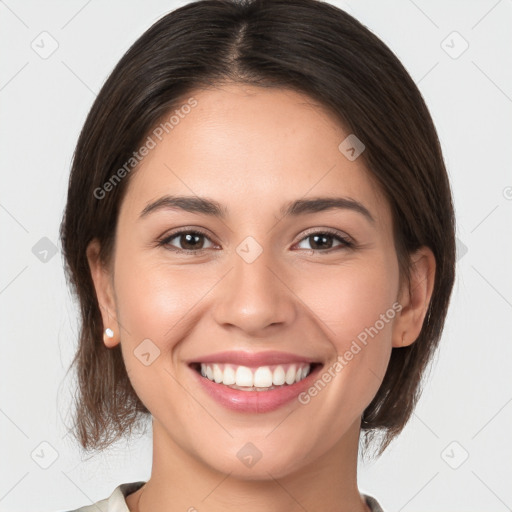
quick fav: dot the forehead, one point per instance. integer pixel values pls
(252, 149)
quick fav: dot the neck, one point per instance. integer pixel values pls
(180, 481)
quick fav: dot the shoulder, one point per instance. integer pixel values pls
(372, 503)
(116, 502)
(99, 506)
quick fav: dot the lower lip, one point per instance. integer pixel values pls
(255, 401)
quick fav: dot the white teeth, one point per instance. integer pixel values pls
(217, 373)
(303, 374)
(262, 378)
(244, 377)
(229, 377)
(290, 375)
(278, 377)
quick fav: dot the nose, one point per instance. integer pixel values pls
(255, 296)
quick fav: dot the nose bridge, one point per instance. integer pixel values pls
(254, 296)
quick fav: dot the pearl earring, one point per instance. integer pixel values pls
(109, 332)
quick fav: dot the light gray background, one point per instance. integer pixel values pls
(466, 409)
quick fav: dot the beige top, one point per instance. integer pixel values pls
(117, 502)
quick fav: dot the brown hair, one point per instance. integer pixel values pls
(305, 45)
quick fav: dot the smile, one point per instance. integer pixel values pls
(262, 378)
(241, 381)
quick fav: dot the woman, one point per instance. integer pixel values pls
(260, 232)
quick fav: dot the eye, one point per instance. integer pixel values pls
(193, 241)
(188, 240)
(322, 241)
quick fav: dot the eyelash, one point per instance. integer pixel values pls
(346, 243)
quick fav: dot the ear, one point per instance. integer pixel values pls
(415, 298)
(102, 279)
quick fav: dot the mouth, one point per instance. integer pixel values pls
(255, 378)
(248, 382)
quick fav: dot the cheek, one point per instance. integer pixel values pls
(157, 302)
(348, 298)
(356, 308)
(154, 299)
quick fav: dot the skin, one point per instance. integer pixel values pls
(252, 150)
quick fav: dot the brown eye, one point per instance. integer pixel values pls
(188, 241)
(323, 241)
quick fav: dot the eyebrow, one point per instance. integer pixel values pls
(206, 206)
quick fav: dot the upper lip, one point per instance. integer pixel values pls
(242, 358)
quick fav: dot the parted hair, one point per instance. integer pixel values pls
(308, 46)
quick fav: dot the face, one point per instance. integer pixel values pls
(259, 295)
